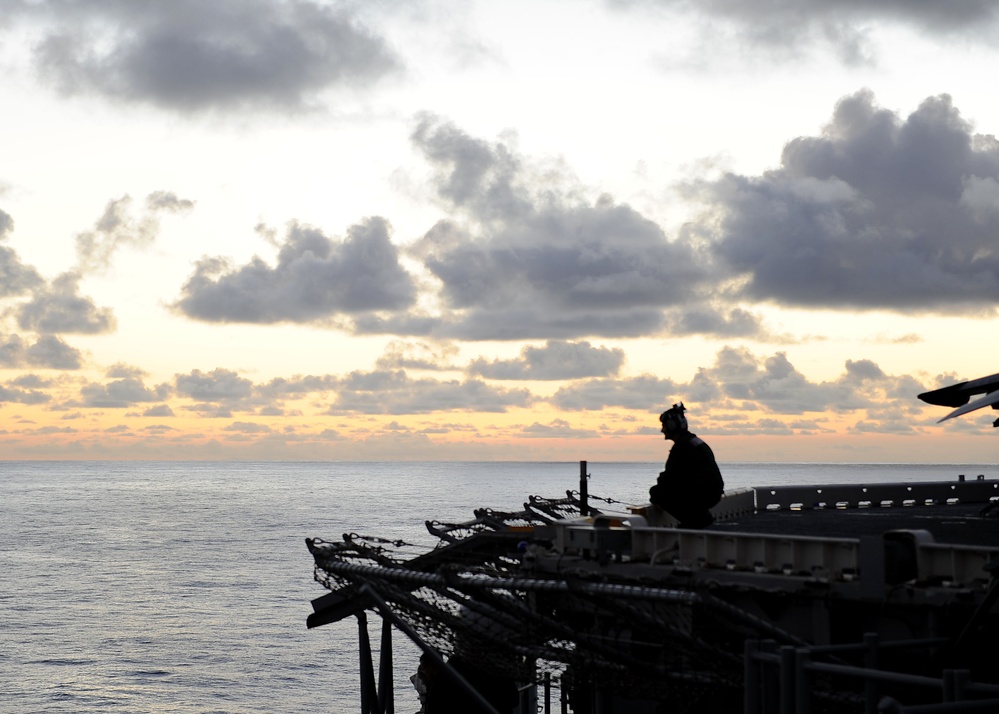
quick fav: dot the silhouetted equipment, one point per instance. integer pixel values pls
(958, 395)
(834, 594)
(817, 599)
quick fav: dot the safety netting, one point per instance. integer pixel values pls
(476, 594)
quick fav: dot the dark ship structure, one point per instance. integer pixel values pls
(798, 599)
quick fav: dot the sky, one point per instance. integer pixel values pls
(309, 230)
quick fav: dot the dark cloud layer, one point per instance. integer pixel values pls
(190, 55)
(878, 212)
(315, 280)
(840, 25)
(522, 259)
(706, 319)
(644, 392)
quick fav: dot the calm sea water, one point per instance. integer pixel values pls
(184, 587)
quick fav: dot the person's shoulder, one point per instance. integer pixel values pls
(699, 444)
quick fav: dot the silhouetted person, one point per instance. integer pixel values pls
(691, 482)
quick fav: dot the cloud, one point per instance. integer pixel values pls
(58, 308)
(22, 396)
(30, 381)
(740, 381)
(117, 228)
(158, 429)
(393, 392)
(219, 385)
(772, 384)
(244, 427)
(522, 258)
(47, 352)
(121, 370)
(844, 26)
(12, 351)
(555, 360)
(644, 392)
(417, 355)
(297, 386)
(120, 393)
(876, 213)
(315, 280)
(168, 201)
(16, 278)
(776, 386)
(556, 429)
(717, 321)
(51, 352)
(189, 55)
(380, 391)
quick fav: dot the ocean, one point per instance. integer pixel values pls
(184, 587)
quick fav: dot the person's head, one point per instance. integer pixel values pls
(673, 421)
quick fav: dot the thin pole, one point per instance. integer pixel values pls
(584, 496)
(386, 692)
(751, 678)
(369, 696)
(386, 612)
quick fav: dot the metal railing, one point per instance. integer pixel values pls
(781, 679)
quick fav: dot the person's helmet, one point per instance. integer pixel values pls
(673, 419)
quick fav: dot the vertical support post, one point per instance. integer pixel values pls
(386, 612)
(771, 680)
(386, 691)
(787, 677)
(525, 698)
(584, 495)
(369, 697)
(802, 686)
(529, 693)
(872, 567)
(603, 701)
(548, 693)
(954, 683)
(872, 689)
(750, 678)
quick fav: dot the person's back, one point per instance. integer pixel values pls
(691, 482)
